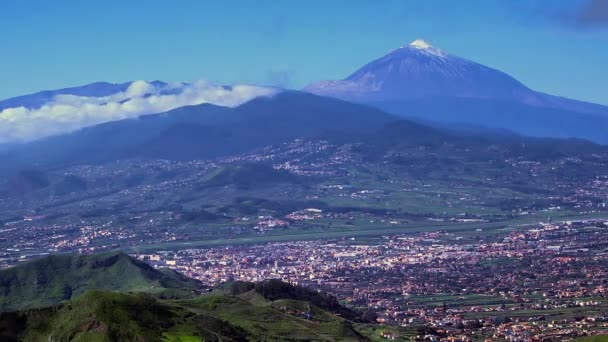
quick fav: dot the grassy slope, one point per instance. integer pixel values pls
(113, 297)
(111, 316)
(282, 319)
(599, 338)
(57, 278)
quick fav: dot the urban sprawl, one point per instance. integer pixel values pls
(541, 282)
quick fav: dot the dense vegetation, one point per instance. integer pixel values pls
(250, 175)
(57, 278)
(136, 311)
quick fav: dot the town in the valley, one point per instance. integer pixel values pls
(535, 282)
(469, 260)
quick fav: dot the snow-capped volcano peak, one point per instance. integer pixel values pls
(420, 44)
(420, 70)
(419, 79)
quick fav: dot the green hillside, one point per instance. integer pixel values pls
(249, 175)
(274, 290)
(112, 316)
(56, 278)
(112, 297)
(598, 338)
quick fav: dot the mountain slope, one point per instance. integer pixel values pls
(112, 316)
(274, 290)
(36, 100)
(57, 278)
(249, 175)
(422, 81)
(419, 70)
(202, 131)
(489, 113)
(271, 310)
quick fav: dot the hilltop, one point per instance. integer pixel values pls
(114, 297)
(111, 316)
(56, 278)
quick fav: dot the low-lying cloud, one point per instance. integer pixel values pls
(68, 113)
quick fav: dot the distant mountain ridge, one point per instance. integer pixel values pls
(96, 89)
(413, 81)
(202, 131)
(422, 81)
(207, 131)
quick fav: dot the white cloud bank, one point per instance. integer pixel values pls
(67, 113)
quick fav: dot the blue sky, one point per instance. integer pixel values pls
(560, 47)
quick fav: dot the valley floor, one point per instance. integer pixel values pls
(518, 281)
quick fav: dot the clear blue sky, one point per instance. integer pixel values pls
(560, 47)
